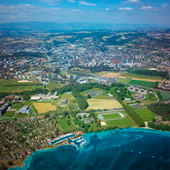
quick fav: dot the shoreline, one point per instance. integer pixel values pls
(72, 144)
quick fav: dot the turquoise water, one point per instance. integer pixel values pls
(132, 148)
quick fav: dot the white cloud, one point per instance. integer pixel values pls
(146, 7)
(126, 8)
(72, 1)
(133, 1)
(107, 9)
(87, 3)
(164, 5)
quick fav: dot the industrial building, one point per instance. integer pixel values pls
(4, 108)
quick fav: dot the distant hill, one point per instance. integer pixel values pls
(32, 26)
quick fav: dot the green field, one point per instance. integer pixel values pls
(94, 89)
(125, 122)
(101, 97)
(9, 114)
(63, 124)
(142, 83)
(67, 96)
(111, 116)
(4, 85)
(51, 86)
(145, 114)
(121, 80)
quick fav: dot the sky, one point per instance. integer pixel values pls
(87, 11)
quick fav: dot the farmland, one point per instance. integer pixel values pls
(145, 114)
(141, 77)
(123, 80)
(142, 83)
(108, 74)
(13, 85)
(52, 86)
(64, 125)
(102, 104)
(165, 96)
(44, 107)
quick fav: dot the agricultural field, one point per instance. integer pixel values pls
(64, 125)
(165, 96)
(111, 116)
(103, 104)
(141, 77)
(108, 74)
(142, 83)
(145, 114)
(51, 86)
(94, 89)
(44, 107)
(101, 97)
(122, 123)
(13, 85)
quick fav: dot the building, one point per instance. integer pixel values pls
(35, 98)
(24, 109)
(4, 108)
(127, 99)
(135, 89)
(64, 101)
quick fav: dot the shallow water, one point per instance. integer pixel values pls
(132, 148)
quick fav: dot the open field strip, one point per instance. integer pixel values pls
(44, 107)
(151, 80)
(103, 104)
(94, 89)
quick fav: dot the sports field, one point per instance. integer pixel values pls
(44, 107)
(125, 122)
(64, 125)
(94, 89)
(101, 97)
(145, 114)
(111, 116)
(9, 114)
(103, 104)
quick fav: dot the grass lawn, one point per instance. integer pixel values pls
(63, 124)
(125, 122)
(22, 115)
(67, 96)
(145, 114)
(111, 116)
(44, 107)
(142, 83)
(102, 104)
(109, 74)
(101, 97)
(51, 86)
(94, 89)
(16, 106)
(9, 114)
(123, 80)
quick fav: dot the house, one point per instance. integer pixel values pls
(4, 108)
(135, 89)
(24, 109)
(88, 120)
(64, 101)
(35, 98)
(82, 114)
(127, 99)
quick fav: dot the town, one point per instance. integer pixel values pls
(54, 87)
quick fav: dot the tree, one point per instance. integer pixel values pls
(26, 96)
(154, 120)
(10, 163)
(69, 141)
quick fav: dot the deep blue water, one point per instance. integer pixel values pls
(132, 148)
